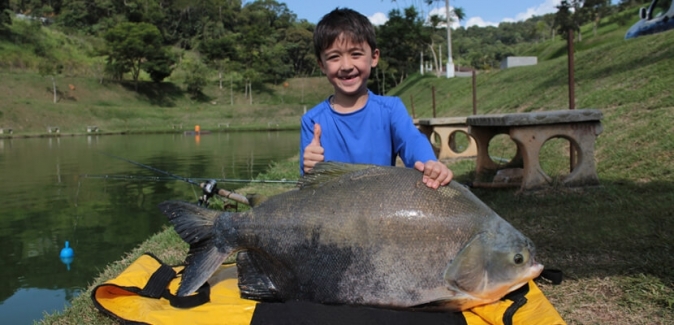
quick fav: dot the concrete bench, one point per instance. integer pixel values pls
(530, 131)
(53, 129)
(92, 128)
(446, 128)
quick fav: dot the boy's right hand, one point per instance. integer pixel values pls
(313, 153)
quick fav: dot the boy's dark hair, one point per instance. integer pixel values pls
(351, 23)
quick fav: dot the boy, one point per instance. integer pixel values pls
(355, 125)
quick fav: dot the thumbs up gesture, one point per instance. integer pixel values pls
(313, 153)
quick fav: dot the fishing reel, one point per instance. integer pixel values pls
(209, 189)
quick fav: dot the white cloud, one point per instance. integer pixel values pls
(479, 22)
(549, 6)
(378, 19)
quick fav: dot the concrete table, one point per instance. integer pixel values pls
(530, 131)
(446, 128)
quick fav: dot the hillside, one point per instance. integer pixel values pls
(629, 80)
(28, 106)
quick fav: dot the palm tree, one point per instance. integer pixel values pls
(460, 15)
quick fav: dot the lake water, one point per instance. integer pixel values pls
(46, 199)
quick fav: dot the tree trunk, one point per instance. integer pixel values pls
(596, 24)
(220, 78)
(438, 70)
(53, 84)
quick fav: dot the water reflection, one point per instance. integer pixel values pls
(45, 200)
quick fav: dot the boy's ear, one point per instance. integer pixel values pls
(375, 57)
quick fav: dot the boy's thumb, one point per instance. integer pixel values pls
(317, 134)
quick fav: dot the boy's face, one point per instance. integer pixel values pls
(347, 65)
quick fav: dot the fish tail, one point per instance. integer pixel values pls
(195, 225)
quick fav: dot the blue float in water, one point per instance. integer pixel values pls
(67, 255)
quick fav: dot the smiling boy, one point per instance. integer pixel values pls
(355, 125)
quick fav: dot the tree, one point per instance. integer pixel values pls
(195, 78)
(160, 65)
(460, 14)
(400, 40)
(218, 52)
(564, 20)
(594, 10)
(130, 44)
(5, 18)
(456, 14)
(299, 45)
(50, 67)
(434, 21)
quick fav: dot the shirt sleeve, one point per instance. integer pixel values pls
(408, 141)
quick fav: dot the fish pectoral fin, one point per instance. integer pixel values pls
(253, 282)
(461, 301)
(199, 267)
(468, 270)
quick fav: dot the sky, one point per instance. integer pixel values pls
(478, 12)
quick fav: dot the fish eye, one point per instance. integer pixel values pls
(518, 259)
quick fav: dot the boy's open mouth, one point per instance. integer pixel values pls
(348, 78)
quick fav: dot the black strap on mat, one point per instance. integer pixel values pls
(553, 275)
(518, 298)
(157, 287)
(158, 282)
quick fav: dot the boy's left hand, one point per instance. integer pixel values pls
(435, 173)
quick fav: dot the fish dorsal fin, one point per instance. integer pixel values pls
(326, 171)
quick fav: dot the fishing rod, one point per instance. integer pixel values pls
(161, 178)
(209, 186)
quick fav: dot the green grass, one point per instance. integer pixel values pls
(116, 107)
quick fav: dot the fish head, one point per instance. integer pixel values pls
(494, 262)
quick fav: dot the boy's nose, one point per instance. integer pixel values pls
(346, 64)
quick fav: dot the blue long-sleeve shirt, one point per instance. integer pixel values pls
(375, 134)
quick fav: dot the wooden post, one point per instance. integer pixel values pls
(474, 93)
(433, 92)
(572, 95)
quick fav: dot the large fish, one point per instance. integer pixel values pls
(363, 235)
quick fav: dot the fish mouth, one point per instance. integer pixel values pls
(532, 272)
